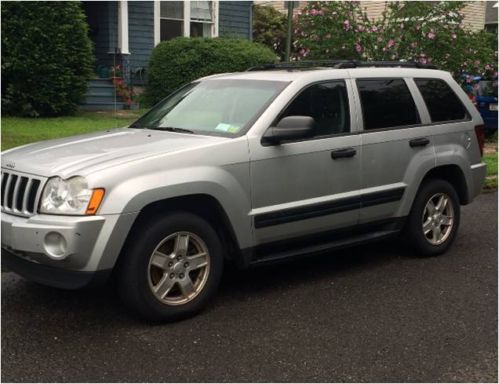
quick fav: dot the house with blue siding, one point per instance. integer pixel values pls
(124, 33)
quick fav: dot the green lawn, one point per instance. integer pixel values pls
(491, 160)
(18, 131)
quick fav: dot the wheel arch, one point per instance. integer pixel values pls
(454, 175)
(203, 205)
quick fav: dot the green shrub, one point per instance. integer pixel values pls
(182, 60)
(269, 28)
(46, 57)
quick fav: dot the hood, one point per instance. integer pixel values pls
(80, 155)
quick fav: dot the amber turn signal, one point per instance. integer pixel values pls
(95, 200)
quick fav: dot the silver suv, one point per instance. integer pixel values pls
(252, 167)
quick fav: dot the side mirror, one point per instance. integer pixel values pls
(289, 128)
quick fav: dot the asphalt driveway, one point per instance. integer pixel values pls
(366, 314)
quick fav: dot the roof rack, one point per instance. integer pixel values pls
(306, 64)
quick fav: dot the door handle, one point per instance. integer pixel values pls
(419, 142)
(344, 152)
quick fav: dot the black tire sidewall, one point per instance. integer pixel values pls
(414, 228)
(133, 275)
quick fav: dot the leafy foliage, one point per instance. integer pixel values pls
(428, 32)
(46, 57)
(269, 28)
(181, 60)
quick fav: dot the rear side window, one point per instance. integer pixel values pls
(443, 104)
(386, 103)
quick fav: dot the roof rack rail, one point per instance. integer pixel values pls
(304, 64)
(299, 64)
(386, 64)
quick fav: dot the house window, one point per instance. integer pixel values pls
(171, 19)
(186, 18)
(201, 18)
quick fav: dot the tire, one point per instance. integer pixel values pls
(173, 239)
(427, 241)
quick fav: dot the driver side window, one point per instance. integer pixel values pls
(327, 104)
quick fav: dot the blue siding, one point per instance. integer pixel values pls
(235, 19)
(140, 32)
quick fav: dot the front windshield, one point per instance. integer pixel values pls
(213, 107)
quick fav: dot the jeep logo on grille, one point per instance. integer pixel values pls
(10, 164)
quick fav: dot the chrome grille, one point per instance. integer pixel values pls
(20, 193)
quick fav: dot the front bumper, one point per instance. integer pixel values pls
(60, 251)
(52, 276)
(62, 241)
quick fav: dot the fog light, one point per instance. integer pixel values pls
(55, 245)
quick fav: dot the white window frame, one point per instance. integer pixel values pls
(187, 19)
(123, 27)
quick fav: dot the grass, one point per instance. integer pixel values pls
(490, 158)
(18, 131)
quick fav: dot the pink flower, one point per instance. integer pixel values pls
(360, 28)
(423, 60)
(314, 12)
(431, 35)
(346, 25)
(488, 67)
(454, 36)
(374, 29)
(358, 47)
(391, 43)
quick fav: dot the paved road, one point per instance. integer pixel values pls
(366, 314)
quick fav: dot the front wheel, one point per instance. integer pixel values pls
(434, 219)
(172, 267)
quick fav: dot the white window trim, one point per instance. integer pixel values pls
(123, 27)
(186, 19)
(157, 23)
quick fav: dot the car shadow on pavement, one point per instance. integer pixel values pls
(103, 303)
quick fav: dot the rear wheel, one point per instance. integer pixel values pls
(434, 219)
(172, 267)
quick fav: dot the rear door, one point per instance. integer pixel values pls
(395, 144)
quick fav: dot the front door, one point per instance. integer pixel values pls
(309, 186)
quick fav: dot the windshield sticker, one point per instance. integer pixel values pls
(227, 128)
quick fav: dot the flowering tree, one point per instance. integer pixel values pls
(427, 32)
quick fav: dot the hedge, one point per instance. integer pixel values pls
(181, 60)
(46, 57)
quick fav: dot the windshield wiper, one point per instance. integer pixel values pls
(171, 129)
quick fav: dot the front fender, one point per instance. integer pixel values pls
(229, 185)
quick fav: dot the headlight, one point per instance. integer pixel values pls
(70, 197)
